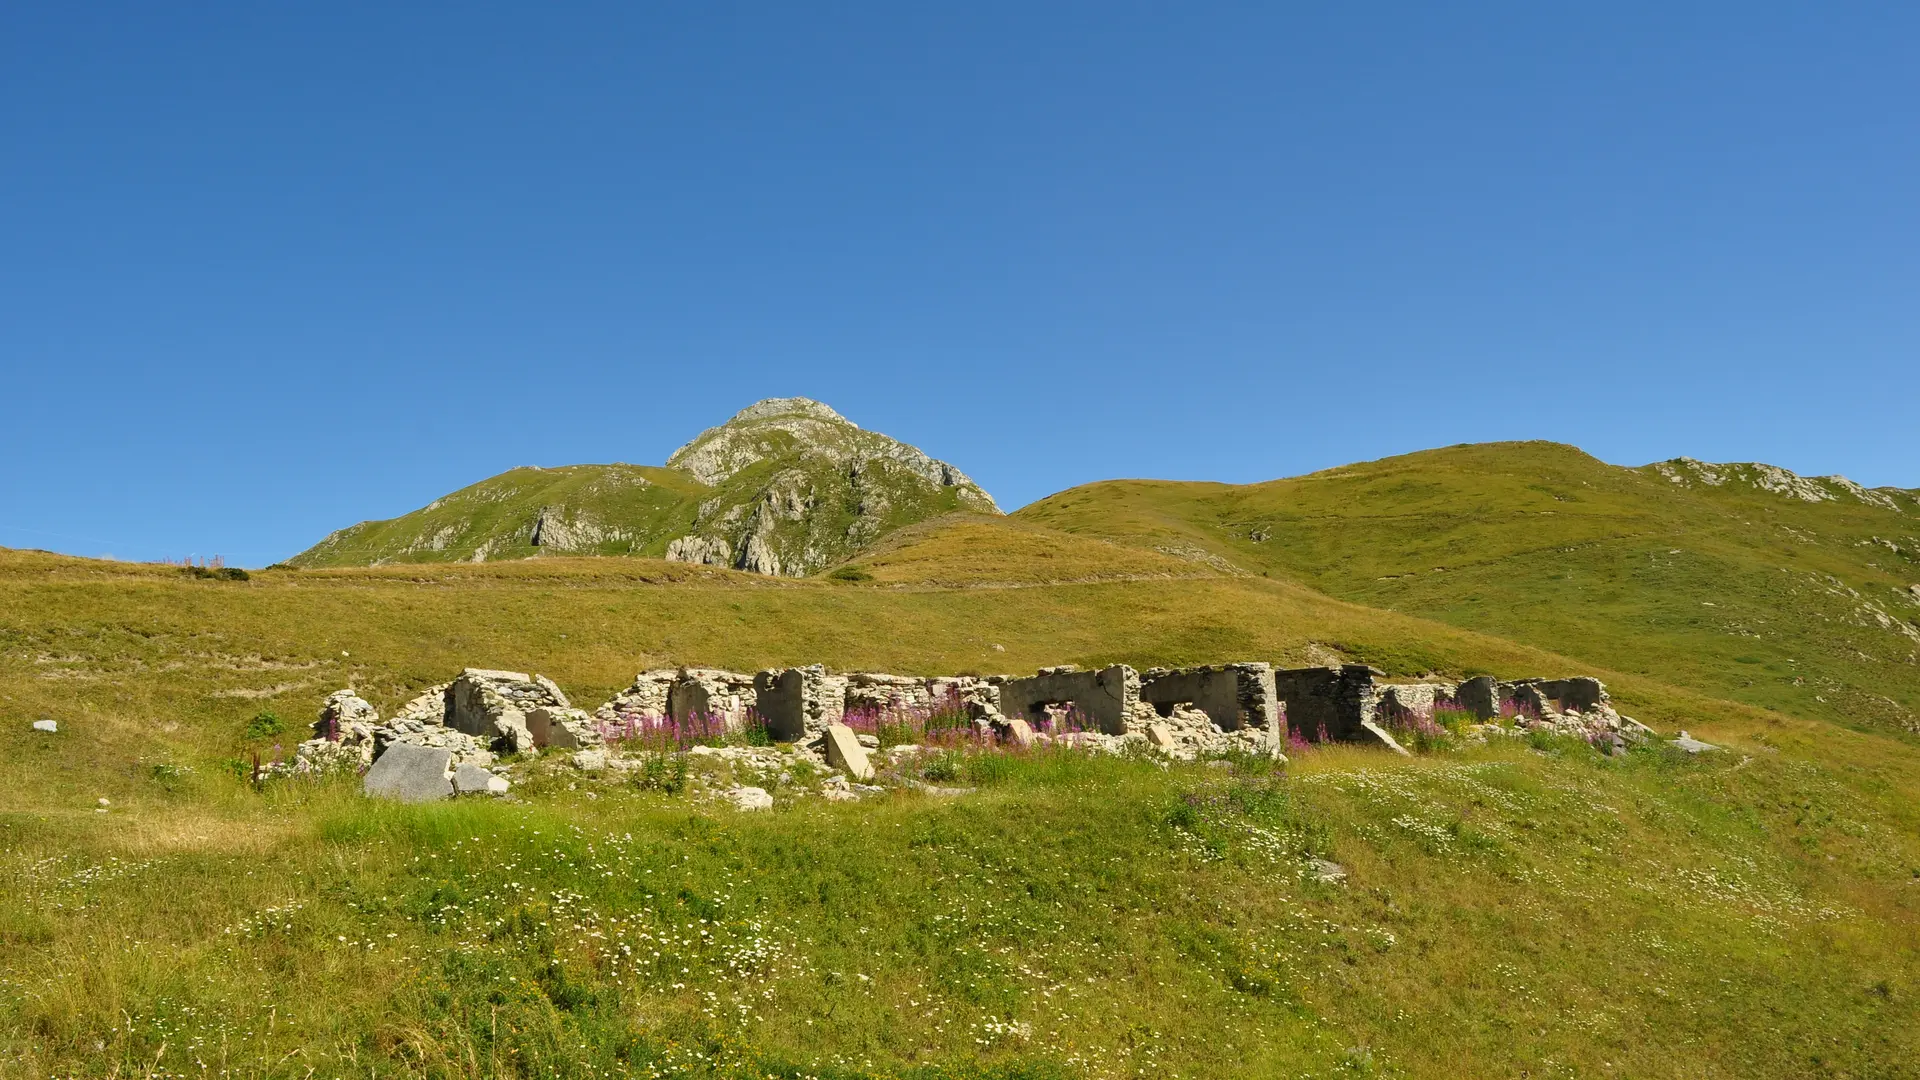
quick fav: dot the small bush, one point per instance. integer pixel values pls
(216, 573)
(265, 725)
(850, 573)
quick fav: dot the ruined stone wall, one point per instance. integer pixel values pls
(870, 690)
(721, 696)
(493, 705)
(1334, 704)
(1234, 696)
(799, 703)
(647, 697)
(1109, 698)
(1411, 699)
(1480, 696)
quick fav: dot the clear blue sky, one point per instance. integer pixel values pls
(270, 269)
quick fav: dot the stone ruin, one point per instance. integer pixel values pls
(454, 731)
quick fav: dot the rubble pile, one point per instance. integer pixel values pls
(810, 722)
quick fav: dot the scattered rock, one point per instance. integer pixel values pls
(410, 773)
(748, 798)
(1328, 871)
(590, 760)
(105, 802)
(470, 779)
(45, 725)
(1692, 745)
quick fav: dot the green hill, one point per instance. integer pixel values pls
(786, 487)
(1743, 581)
(1530, 907)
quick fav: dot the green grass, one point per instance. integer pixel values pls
(1740, 593)
(1505, 911)
(1521, 909)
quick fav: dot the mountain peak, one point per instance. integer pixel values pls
(767, 408)
(787, 486)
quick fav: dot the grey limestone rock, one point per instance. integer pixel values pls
(410, 773)
(748, 798)
(473, 780)
(1692, 745)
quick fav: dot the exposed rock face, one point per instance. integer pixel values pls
(708, 550)
(801, 487)
(1686, 471)
(788, 487)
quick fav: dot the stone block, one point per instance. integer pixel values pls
(474, 780)
(845, 752)
(1018, 732)
(410, 773)
(45, 725)
(1160, 736)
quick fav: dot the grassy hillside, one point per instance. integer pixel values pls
(787, 486)
(1526, 909)
(1751, 594)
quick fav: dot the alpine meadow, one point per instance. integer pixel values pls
(946, 866)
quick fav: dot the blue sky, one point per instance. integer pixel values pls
(267, 270)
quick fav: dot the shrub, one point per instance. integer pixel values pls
(265, 725)
(850, 573)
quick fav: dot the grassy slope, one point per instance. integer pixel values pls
(1743, 594)
(1509, 912)
(653, 505)
(818, 509)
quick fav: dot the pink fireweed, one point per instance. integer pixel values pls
(649, 731)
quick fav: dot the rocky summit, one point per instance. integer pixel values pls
(788, 486)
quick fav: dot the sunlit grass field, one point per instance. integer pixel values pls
(1518, 909)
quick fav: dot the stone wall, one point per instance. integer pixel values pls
(1327, 703)
(723, 697)
(1411, 699)
(493, 705)
(1108, 698)
(1234, 696)
(647, 697)
(1480, 696)
(799, 703)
